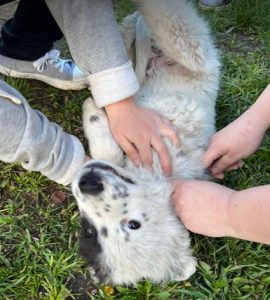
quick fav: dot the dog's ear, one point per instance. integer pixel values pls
(97, 131)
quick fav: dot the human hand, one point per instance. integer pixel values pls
(86, 158)
(137, 129)
(236, 141)
(203, 206)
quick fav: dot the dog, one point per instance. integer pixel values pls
(130, 231)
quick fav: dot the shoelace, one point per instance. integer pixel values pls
(51, 57)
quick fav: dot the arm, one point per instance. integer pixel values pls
(214, 210)
(239, 139)
(96, 46)
(248, 213)
(27, 137)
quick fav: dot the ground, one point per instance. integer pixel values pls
(38, 234)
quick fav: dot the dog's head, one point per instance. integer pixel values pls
(129, 221)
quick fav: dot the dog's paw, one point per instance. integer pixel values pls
(97, 131)
(189, 269)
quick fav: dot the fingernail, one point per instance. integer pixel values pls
(137, 162)
(166, 172)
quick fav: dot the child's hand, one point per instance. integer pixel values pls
(137, 130)
(203, 206)
(86, 158)
(236, 141)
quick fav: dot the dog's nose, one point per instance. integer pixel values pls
(91, 183)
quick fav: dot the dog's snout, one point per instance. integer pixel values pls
(91, 183)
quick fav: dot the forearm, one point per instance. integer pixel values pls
(27, 137)
(248, 214)
(260, 110)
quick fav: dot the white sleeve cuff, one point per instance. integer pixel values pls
(114, 85)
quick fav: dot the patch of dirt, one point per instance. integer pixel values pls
(238, 42)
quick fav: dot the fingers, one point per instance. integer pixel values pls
(130, 151)
(163, 154)
(232, 167)
(168, 131)
(213, 153)
(142, 153)
(86, 158)
(220, 165)
(145, 153)
(235, 166)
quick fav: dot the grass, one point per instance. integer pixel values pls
(38, 249)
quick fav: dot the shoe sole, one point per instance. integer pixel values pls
(206, 7)
(60, 84)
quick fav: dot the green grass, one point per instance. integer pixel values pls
(38, 239)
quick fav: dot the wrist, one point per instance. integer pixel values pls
(260, 110)
(233, 218)
(123, 105)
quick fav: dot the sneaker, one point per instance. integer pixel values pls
(213, 4)
(51, 69)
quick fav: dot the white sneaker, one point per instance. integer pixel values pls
(213, 4)
(51, 69)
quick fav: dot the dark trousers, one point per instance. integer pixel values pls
(31, 33)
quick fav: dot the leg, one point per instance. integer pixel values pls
(31, 33)
(97, 131)
(96, 45)
(25, 48)
(91, 32)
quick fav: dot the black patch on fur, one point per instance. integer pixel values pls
(104, 232)
(107, 209)
(110, 169)
(144, 215)
(89, 246)
(115, 196)
(121, 191)
(125, 212)
(125, 204)
(127, 238)
(98, 214)
(93, 119)
(90, 249)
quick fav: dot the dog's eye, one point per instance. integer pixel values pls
(134, 225)
(89, 233)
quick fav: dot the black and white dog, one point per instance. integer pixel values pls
(129, 228)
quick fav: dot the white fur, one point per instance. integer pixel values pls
(182, 86)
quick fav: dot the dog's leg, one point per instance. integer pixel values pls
(97, 131)
(137, 41)
(128, 30)
(180, 33)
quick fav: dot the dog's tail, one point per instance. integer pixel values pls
(180, 33)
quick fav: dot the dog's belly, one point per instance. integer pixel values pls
(193, 117)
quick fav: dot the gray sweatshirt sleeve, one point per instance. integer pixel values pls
(96, 45)
(27, 137)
